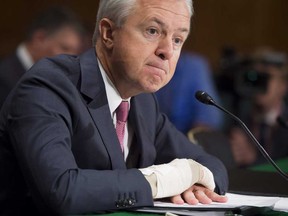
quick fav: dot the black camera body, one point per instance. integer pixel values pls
(241, 78)
(249, 81)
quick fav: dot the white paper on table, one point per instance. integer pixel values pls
(234, 201)
(281, 205)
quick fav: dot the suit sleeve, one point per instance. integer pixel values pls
(42, 121)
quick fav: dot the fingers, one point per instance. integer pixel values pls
(190, 198)
(202, 197)
(214, 197)
(199, 194)
(177, 199)
(187, 196)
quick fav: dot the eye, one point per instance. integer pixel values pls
(178, 41)
(152, 31)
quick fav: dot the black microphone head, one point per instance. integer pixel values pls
(205, 98)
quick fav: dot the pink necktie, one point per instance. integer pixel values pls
(121, 115)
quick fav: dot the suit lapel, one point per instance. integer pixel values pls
(92, 86)
(144, 141)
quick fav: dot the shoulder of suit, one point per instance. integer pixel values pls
(65, 64)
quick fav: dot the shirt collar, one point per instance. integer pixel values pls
(113, 96)
(24, 56)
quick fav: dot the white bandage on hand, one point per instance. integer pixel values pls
(202, 175)
(172, 178)
(176, 177)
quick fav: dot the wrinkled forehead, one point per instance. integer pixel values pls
(173, 14)
(177, 7)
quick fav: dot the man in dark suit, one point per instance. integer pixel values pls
(266, 109)
(54, 31)
(57, 128)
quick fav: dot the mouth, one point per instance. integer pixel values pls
(159, 68)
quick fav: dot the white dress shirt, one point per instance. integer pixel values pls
(114, 100)
(24, 56)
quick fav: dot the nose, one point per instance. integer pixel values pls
(165, 48)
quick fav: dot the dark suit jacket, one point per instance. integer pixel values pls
(11, 69)
(57, 129)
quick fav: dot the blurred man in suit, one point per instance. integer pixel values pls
(267, 109)
(54, 31)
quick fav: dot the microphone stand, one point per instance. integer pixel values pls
(206, 99)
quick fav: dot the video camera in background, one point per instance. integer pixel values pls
(241, 76)
(249, 81)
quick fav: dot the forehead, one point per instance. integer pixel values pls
(178, 6)
(175, 11)
(172, 7)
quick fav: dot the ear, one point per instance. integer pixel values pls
(106, 28)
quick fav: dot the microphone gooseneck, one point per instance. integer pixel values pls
(205, 98)
(282, 122)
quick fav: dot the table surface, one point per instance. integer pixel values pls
(267, 213)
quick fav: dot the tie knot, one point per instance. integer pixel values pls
(122, 111)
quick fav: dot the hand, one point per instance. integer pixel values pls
(181, 173)
(198, 194)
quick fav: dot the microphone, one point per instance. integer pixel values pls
(205, 98)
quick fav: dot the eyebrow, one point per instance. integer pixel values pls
(158, 21)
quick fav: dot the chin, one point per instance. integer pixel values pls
(151, 89)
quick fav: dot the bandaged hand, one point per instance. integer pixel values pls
(174, 178)
(205, 176)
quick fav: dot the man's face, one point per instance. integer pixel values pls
(64, 41)
(146, 49)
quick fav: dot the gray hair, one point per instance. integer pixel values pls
(118, 11)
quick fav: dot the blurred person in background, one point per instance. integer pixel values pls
(55, 31)
(267, 109)
(201, 123)
(177, 98)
